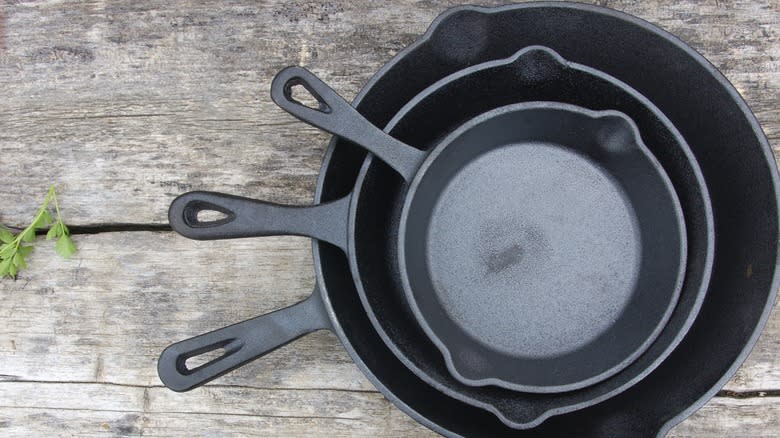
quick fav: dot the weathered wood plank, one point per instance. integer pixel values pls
(92, 315)
(734, 418)
(101, 319)
(100, 409)
(125, 105)
(106, 314)
(761, 370)
(90, 423)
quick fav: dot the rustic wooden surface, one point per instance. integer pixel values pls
(125, 104)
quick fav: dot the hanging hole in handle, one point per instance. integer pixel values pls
(194, 362)
(205, 356)
(296, 90)
(205, 214)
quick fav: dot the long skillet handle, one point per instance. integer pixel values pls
(240, 343)
(337, 116)
(245, 217)
(246, 341)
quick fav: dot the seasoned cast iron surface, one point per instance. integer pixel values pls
(711, 117)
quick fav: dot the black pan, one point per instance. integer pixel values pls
(375, 220)
(573, 83)
(725, 138)
(679, 80)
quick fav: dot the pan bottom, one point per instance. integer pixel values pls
(536, 240)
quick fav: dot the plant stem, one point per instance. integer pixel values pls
(18, 240)
(56, 205)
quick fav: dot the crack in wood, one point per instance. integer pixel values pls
(6, 378)
(106, 116)
(118, 228)
(226, 414)
(103, 228)
(15, 379)
(759, 393)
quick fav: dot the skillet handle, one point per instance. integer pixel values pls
(337, 116)
(245, 217)
(242, 343)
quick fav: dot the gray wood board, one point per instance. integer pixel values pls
(96, 324)
(124, 105)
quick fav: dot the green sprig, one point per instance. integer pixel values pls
(15, 249)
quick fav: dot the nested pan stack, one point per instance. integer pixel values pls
(515, 223)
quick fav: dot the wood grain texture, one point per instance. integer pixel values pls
(87, 337)
(126, 104)
(222, 411)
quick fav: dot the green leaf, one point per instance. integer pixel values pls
(7, 251)
(38, 222)
(19, 261)
(24, 250)
(45, 219)
(28, 235)
(13, 251)
(65, 247)
(5, 267)
(6, 236)
(55, 231)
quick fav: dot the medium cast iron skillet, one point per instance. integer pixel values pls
(476, 85)
(535, 73)
(679, 80)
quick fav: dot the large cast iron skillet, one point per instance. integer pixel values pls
(725, 138)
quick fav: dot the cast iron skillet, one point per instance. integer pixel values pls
(541, 245)
(725, 138)
(719, 341)
(383, 295)
(535, 73)
(510, 252)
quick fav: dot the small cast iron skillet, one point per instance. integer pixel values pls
(541, 245)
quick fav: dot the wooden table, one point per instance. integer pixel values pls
(124, 105)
